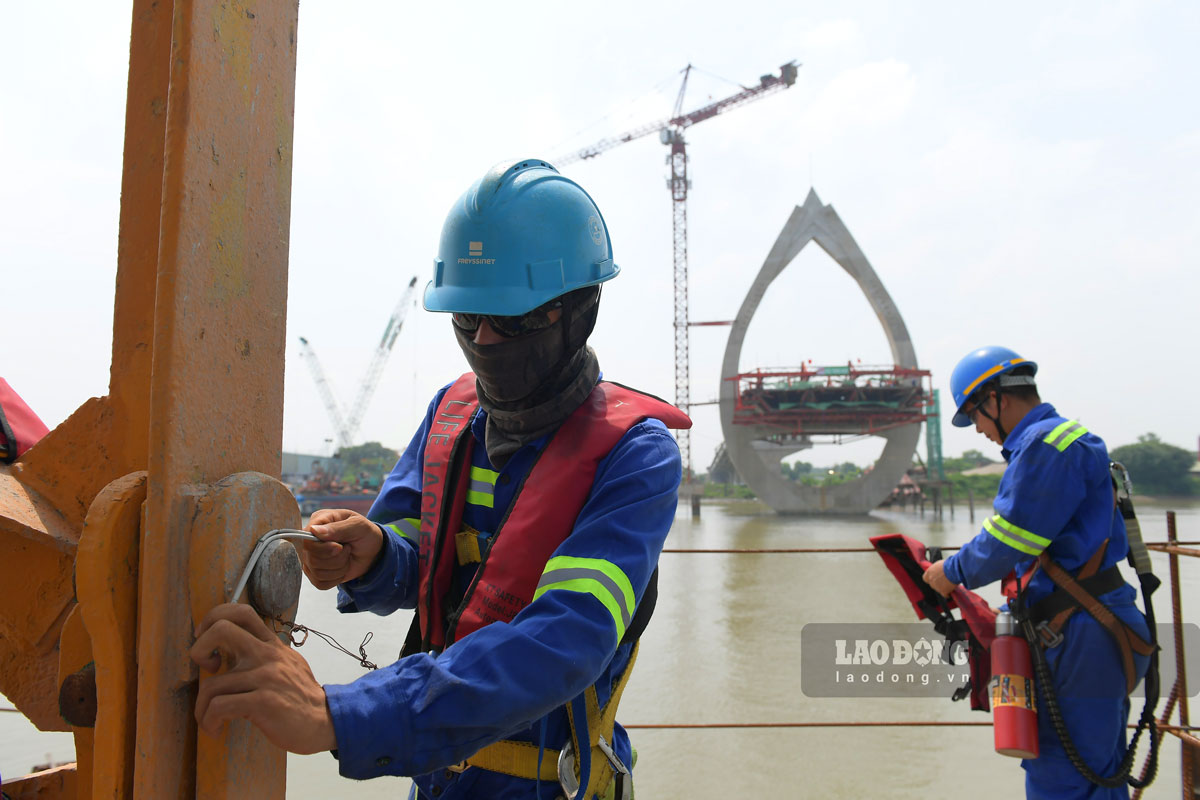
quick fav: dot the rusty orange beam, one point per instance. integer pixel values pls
(106, 574)
(1185, 737)
(192, 421)
(217, 378)
(45, 496)
(38, 545)
(1174, 550)
(56, 782)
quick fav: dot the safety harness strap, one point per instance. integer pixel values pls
(1139, 555)
(599, 723)
(1127, 640)
(1051, 608)
(1055, 609)
(520, 759)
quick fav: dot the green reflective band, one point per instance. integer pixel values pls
(405, 528)
(477, 498)
(1061, 437)
(484, 474)
(602, 579)
(482, 490)
(1014, 536)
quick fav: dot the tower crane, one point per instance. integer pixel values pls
(347, 428)
(670, 132)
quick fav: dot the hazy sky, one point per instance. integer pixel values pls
(1028, 178)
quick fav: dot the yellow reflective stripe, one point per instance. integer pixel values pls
(602, 579)
(597, 590)
(484, 474)
(1062, 426)
(1017, 530)
(1070, 437)
(1010, 363)
(481, 499)
(1015, 536)
(405, 528)
(482, 490)
(1062, 436)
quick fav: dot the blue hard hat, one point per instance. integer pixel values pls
(520, 236)
(976, 369)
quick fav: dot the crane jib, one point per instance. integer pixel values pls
(346, 428)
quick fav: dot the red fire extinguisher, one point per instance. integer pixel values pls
(1014, 699)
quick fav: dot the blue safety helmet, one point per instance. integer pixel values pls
(520, 236)
(976, 370)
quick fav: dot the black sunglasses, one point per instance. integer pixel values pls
(973, 411)
(510, 327)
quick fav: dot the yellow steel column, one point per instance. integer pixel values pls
(216, 400)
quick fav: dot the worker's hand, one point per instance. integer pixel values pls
(349, 545)
(935, 576)
(265, 682)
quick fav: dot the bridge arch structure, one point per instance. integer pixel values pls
(755, 448)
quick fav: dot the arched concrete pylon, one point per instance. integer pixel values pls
(815, 222)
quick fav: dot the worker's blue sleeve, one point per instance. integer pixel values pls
(981, 561)
(1040, 491)
(426, 712)
(392, 581)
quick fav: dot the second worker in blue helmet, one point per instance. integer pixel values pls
(523, 523)
(1055, 523)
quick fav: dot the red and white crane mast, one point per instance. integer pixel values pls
(671, 134)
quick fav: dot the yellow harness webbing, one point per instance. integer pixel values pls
(600, 722)
(520, 759)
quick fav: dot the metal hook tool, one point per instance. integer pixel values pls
(261, 547)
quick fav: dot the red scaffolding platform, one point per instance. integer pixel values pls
(845, 400)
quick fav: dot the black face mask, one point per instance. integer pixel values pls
(529, 384)
(514, 370)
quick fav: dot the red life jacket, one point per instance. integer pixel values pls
(1011, 585)
(19, 426)
(539, 519)
(905, 559)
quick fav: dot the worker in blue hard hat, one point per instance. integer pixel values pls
(1058, 538)
(523, 523)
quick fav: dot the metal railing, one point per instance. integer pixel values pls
(1176, 700)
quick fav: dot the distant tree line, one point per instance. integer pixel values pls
(805, 473)
(1158, 468)
(970, 459)
(366, 464)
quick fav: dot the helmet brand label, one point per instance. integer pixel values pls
(595, 229)
(475, 250)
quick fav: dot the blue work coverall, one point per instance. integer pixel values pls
(1056, 495)
(507, 680)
